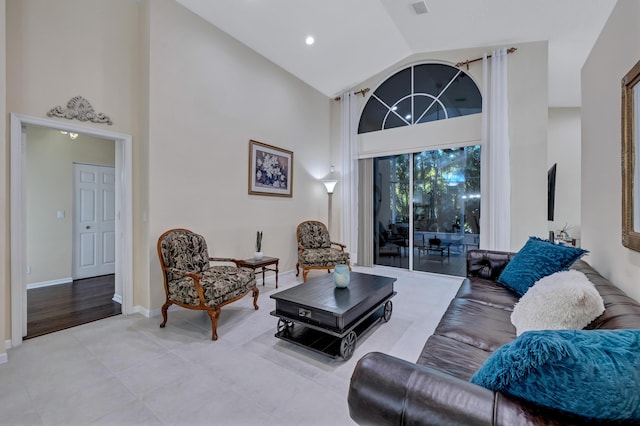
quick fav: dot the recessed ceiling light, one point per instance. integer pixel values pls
(310, 40)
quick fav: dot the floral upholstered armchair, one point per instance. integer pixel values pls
(193, 282)
(316, 250)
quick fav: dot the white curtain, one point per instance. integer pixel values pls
(349, 179)
(495, 230)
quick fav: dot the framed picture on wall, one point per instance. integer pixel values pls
(270, 170)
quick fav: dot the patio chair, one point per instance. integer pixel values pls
(193, 282)
(316, 250)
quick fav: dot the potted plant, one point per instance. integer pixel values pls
(258, 255)
(563, 234)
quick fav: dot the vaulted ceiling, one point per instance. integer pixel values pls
(355, 39)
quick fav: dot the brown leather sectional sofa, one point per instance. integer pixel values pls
(435, 390)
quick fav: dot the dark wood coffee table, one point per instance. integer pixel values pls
(328, 320)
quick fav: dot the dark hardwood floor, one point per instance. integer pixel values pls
(62, 306)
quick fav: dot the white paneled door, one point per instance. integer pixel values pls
(94, 221)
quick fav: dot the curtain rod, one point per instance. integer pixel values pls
(469, 61)
(359, 92)
(459, 64)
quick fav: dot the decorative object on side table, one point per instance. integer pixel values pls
(562, 236)
(563, 233)
(341, 276)
(258, 254)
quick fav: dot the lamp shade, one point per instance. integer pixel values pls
(330, 184)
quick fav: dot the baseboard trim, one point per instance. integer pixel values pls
(3, 356)
(141, 310)
(49, 283)
(153, 312)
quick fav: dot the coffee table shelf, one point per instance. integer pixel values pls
(326, 341)
(326, 320)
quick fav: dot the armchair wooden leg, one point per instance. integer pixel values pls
(256, 293)
(214, 313)
(298, 269)
(304, 275)
(164, 309)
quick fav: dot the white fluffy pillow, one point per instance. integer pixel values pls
(566, 300)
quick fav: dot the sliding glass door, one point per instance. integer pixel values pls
(433, 231)
(391, 204)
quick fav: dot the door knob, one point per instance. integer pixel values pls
(88, 227)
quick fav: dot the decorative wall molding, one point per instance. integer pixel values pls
(80, 109)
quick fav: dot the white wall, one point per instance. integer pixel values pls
(528, 106)
(191, 97)
(209, 95)
(56, 50)
(49, 189)
(564, 150)
(615, 52)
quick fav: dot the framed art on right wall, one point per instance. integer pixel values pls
(630, 158)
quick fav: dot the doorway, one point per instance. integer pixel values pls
(70, 222)
(123, 277)
(427, 209)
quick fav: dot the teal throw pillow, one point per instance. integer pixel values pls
(592, 373)
(537, 259)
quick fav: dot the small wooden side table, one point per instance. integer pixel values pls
(262, 264)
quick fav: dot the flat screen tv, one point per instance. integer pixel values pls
(551, 191)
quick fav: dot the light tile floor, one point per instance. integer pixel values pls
(125, 370)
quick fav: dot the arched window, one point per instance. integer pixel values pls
(419, 94)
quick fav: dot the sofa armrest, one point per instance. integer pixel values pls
(386, 390)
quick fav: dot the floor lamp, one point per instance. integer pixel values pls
(330, 184)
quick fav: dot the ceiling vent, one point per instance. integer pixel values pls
(420, 7)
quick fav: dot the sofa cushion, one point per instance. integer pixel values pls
(323, 257)
(536, 259)
(476, 324)
(220, 284)
(593, 373)
(566, 300)
(452, 357)
(488, 292)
